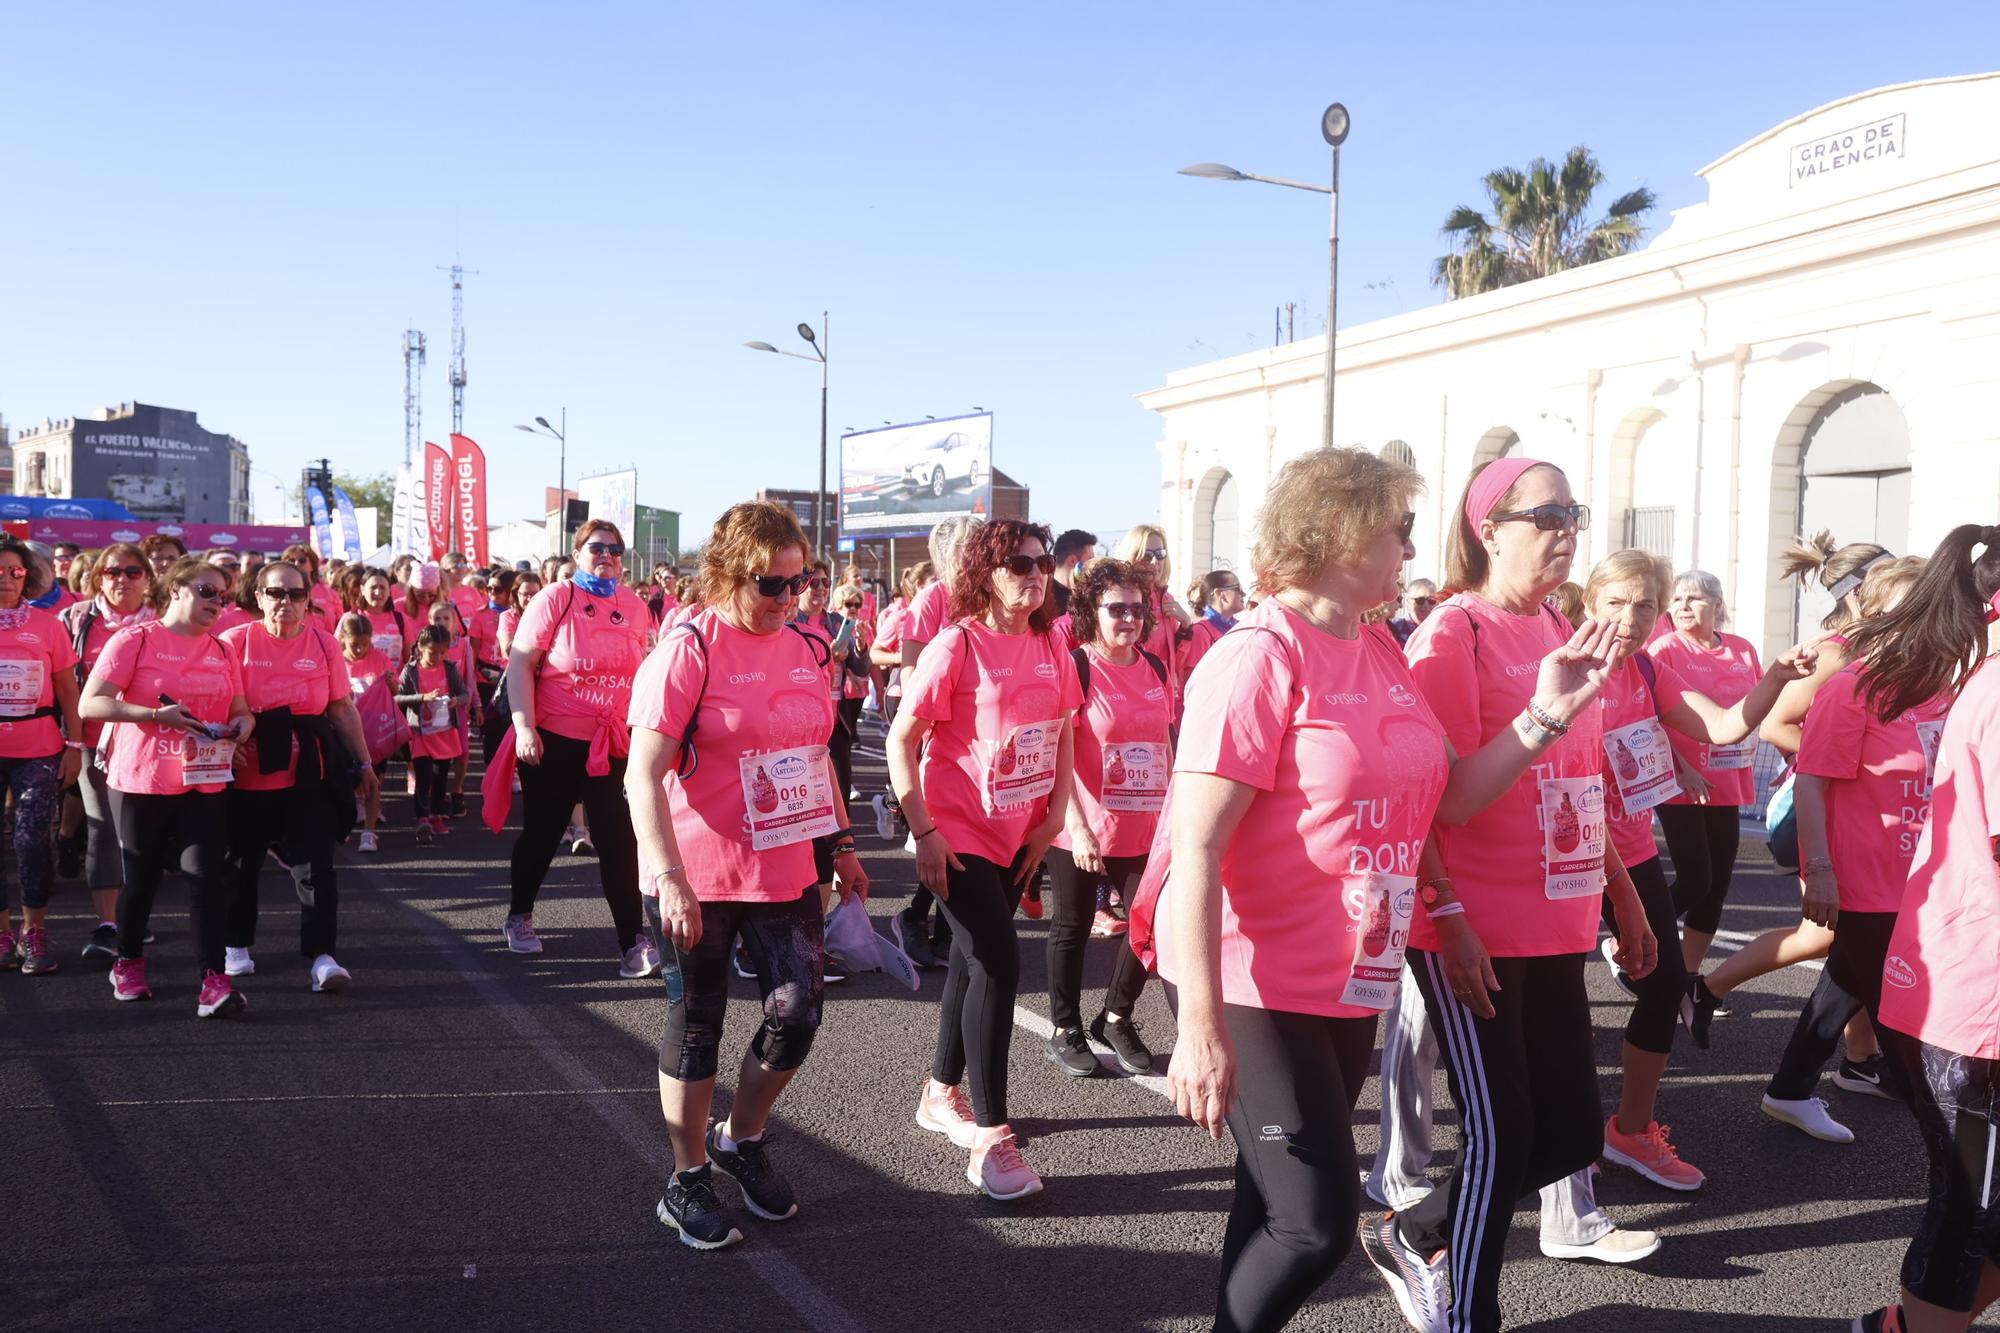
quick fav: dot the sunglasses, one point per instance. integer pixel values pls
(1153, 553)
(777, 585)
(14, 572)
(1124, 610)
(277, 594)
(1228, 587)
(817, 583)
(604, 548)
(1407, 526)
(1020, 566)
(852, 606)
(208, 592)
(1548, 517)
(1423, 601)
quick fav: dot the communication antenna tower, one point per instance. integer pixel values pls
(413, 396)
(458, 272)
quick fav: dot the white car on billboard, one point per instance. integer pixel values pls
(954, 459)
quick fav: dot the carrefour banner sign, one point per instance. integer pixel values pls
(900, 481)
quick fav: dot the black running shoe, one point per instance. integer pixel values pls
(765, 1192)
(457, 805)
(1698, 1008)
(103, 946)
(744, 967)
(1888, 1319)
(690, 1206)
(1125, 1043)
(911, 938)
(1871, 1078)
(833, 971)
(1069, 1052)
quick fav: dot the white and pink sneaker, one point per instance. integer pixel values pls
(947, 1111)
(997, 1167)
(128, 979)
(219, 997)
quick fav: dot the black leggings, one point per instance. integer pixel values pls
(787, 945)
(302, 832)
(1525, 1083)
(550, 790)
(1850, 982)
(976, 1016)
(1657, 1011)
(1702, 840)
(840, 745)
(433, 784)
(1075, 905)
(1297, 1200)
(1956, 1099)
(150, 830)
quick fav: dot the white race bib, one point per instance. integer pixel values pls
(436, 716)
(205, 762)
(1135, 776)
(789, 796)
(1572, 837)
(21, 684)
(1380, 938)
(1927, 737)
(1642, 764)
(1722, 758)
(389, 645)
(1021, 768)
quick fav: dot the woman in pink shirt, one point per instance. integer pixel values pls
(1145, 546)
(177, 697)
(40, 744)
(324, 604)
(732, 792)
(392, 632)
(1124, 753)
(1218, 600)
(296, 781)
(122, 596)
(569, 686)
(367, 664)
(981, 760)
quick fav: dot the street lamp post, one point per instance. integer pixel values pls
(1333, 126)
(561, 437)
(819, 345)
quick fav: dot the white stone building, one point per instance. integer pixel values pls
(1817, 345)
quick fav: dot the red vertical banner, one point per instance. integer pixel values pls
(438, 489)
(468, 498)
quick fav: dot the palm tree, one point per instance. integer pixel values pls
(1538, 226)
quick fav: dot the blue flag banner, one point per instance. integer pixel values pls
(351, 530)
(322, 523)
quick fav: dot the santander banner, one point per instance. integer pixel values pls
(468, 498)
(437, 497)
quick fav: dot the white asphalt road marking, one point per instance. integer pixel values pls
(1030, 1021)
(170, 1102)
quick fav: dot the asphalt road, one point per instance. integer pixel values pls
(471, 1139)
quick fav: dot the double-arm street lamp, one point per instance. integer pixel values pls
(561, 437)
(819, 346)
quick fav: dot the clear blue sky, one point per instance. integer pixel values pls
(238, 209)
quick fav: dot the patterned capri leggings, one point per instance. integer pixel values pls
(33, 783)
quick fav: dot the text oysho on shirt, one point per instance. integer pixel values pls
(1349, 763)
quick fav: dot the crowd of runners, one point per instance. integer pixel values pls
(1303, 800)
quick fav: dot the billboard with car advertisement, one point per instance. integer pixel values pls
(900, 481)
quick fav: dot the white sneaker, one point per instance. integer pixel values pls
(238, 963)
(368, 843)
(1810, 1115)
(1616, 1246)
(328, 975)
(642, 959)
(520, 934)
(885, 823)
(579, 841)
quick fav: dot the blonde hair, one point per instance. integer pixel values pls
(1133, 545)
(1569, 600)
(1324, 508)
(1886, 585)
(745, 540)
(1817, 555)
(846, 590)
(1621, 566)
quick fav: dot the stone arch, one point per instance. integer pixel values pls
(1636, 517)
(1500, 442)
(1841, 462)
(1397, 451)
(1216, 533)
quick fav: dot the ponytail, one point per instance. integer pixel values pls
(1934, 638)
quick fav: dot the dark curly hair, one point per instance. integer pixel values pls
(982, 551)
(1097, 578)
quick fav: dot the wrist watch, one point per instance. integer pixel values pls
(1428, 890)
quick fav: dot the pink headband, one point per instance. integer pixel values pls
(1498, 478)
(426, 579)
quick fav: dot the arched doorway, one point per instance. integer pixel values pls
(1215, 531)
(1644, 481)
(1845, 452)
(1396, 451)
(1500, 442)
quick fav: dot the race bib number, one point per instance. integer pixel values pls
(206, 762)
(436, 716)
(1642, 764)
(1722, 758)
(21, 684)
(1380, 937)
(789, 796)
(389, 645)
(1135, 777)
(1021, 768)
(1927, 737)
(1572, 837)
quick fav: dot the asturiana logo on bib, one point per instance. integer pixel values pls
(803, 676)
(791, 766)
(1899, 973)
(1401, 696)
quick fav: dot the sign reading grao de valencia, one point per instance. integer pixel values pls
(1864, 145)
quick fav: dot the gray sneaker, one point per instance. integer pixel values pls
(520, 933)
(36, 955)
(641, 960)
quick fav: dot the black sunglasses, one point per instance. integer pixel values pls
(817, 581)
(853, 606)
(1020, 566)
(277, 594)
(1124, 610)
(775, 585)
(1548, 517)
(1407, 526)
(604, 548)
(126, 572)
(208, 592)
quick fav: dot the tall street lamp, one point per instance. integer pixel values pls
(819, 345)
(1333, 127)
(561, 437)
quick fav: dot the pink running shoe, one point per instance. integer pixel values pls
(219, 997)
(997, 1167)
(948, 1113)
(1651, 1155)
(1104, 925)
(128, 979)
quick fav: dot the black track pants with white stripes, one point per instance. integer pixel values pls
(1525, 1082)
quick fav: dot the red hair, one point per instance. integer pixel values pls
(985, 549)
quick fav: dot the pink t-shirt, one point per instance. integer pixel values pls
(1725, 674)
(394, 633)
(758, 694)
(325, 605)
(484, 630)
(107, 623)
(142, 663)
(469, 601)
(229, 618)
(929, 613)
(1878, 790)
(34, 645)
(592, 647)
(374, 665)
(1477, 688)
(65, 599)
(445, 744)
(1633, 752)
(1349, 763)
(1200, 639)
(303, 673)
(1940, 983)
(1129, 709)
(997, 704)
(889, 638)
(510, 625)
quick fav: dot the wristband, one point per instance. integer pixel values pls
(1449, 909)
(1545, 722)
(919, 837)
(668, 873)
(844, 849)
(1533, 732)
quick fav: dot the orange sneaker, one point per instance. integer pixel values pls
(1651, 1155)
